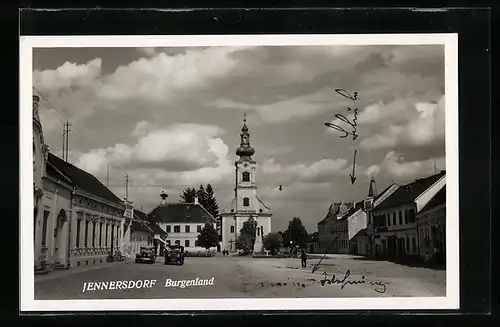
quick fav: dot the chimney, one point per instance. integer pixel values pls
(196, 200)
(163, 196)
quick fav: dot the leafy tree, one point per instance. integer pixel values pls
(296, 232)
(314, 237)
(244, 242)
(248, 231)
(208, 236)
(272, 242)
(188, 195)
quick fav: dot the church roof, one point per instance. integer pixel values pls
(181, 213)
(232, 208)
(82, 179)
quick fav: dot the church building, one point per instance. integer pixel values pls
(245, 205)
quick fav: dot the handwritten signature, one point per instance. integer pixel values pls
(353, 97)
(379, 286)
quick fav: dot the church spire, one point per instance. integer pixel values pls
(245, 149)
(372, 190)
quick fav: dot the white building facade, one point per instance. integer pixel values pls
(245, 205)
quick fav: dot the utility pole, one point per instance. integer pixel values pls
(107, 177)
(65, 136)
(435, 170)
(127, 181)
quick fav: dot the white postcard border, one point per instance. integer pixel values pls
(27, 301)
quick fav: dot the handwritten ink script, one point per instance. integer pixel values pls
(353, 97)
(378, 286)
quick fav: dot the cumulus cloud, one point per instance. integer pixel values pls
(67, 75)
(424, 127)
(397, 168)
(176, 148)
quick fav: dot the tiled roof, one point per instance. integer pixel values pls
(336, 209)
(83, 180)
(150, 222)
(352, 210)
(140, 222)
(438, 199)
(361, 233)
(181, 213)
(52, 170)
(409, 192)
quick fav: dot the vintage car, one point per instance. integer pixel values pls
(147, 254)
(174, 255)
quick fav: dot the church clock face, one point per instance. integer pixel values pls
(245, 139)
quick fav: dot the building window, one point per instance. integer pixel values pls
(401, 218)
(177, 229)
(168, 228)
(177, 242)
(198, 228)
(411, 215)
(246, 176)
(406, 217)
(186, 243)
(232, 229)
(78, 222)
(394, 218)
(414, 244)
(93, 234)
(196, 243)
(106, 238)
(388, 220)
(86, 234)
(408, 244)
(46, 215)
(246, 202)
(187, 229)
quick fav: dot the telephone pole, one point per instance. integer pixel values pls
(127, 181)
(107, 177)
(65, 136)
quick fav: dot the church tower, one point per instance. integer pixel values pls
(245, 205)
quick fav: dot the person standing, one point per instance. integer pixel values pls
(303, 258)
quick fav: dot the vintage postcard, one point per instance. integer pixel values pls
(266, 172)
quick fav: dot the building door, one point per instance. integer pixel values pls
(60, 237)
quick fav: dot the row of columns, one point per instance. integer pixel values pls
(101, 232)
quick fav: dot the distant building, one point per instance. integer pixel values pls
(333, 232)
(141, 234)
(182, 223)
(394, 219)
(245, 205)
(431, 221)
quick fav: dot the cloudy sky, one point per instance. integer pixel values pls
(171, 118)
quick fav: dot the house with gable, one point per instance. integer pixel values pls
(333, 230)
(182, 223)
(395, 218)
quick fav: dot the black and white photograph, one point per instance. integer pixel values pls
(239, 172)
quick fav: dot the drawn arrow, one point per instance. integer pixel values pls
(353, 179)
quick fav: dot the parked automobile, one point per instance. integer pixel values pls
(147, 254)
(174, 255)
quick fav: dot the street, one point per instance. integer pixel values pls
(235, 276)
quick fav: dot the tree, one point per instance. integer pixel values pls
(202, 196)
(247, 235)
(272, 242)
(212, 206)
(208, 236)
(244, 242)
(296, 232)
(188, 195)
(315, 237)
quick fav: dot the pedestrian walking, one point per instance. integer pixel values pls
(303, 258)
